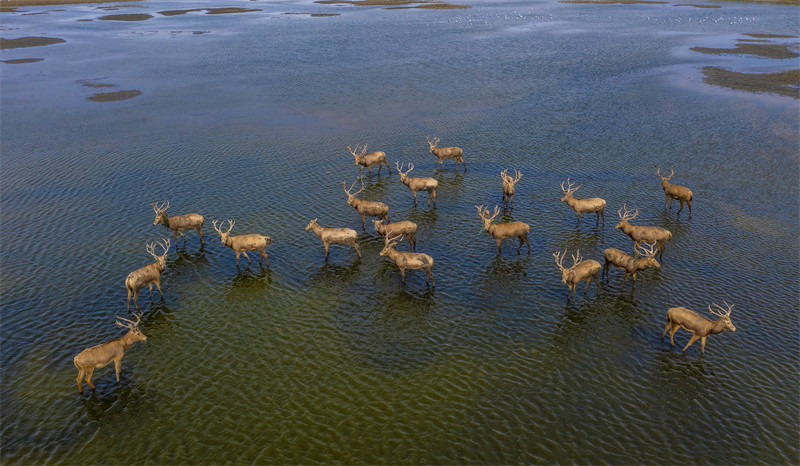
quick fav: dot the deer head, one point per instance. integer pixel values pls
(724, 315)
(352, 196)
(390, 242)
(486, 216)
(400, 170)
(648, 254)
(625, 217)
(223, 235)
(133, 327)
(559, 256)
(569, 190)
(312, 224)
(160, 258)
(358, 156)
(161, 212)
(664, 179)
(432, 143)
(511, 181)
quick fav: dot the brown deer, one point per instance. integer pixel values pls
(701, 327)
(101, 355)
(148, 274)
(418, 183)
(368, 160)
(243, 243)
(675, 191)
(446, 153)
(179, 222)
(580, 270)
(408, 260)
(580, 206)
(508, 186)
(639, 233)
(330, 236)
(364, 208)
(630, 264)
(502, 231)
(405, 228)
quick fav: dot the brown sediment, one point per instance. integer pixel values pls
(126, 17)
(698, 6)
(87, 83)
(772, 36)
(395, 4)
(784, 83)
(18, 3)
(779, 51)
(28, 42)
(315, 15)
(114, 96)
(209, 11)
(22, 60)
(615, 2)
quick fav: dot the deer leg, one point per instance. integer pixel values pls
(150, 287)
(667, 203)
(89, 373)
(412, 242)
(672, 331)
(136, 298)
(326, 249)
(679, 210)
(363, 222)
(694, 339)
(528, 242)
(182, 236)
(415, 198)
(521, 241)
(690, 207)
(430, 274)
(118, 367)
(499, 240)
(579, 220)
(669, 325)
(264, 255)
(588, 282)
(81, 373)
(247, 257)
(158, 285)
(403, 275)
(432, 194)
(202, 239)
(237, 258)
(358, 250)
(129, 299)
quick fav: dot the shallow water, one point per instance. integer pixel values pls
(247, 116)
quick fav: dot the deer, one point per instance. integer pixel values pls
(701, 327)
(330, 235)
(101, 355)
(580, 270)
(508, 186)
(446, 153)
(418, 183)
(630, 264)
(580, 206)
(639, 233)
(178, 222)
(368, 160)
(675, 191)
(407, 260)
(243, 243)
(148, 274)
(405, 228)
(364, 208)
(502, 231)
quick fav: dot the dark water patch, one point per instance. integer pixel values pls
(126, 17)
(433, 6)
(615, 2)
(34, 14)
(28, 42)
(772, 36)
(22, 60)
(84, 20)
(117, 7)
(698, 6)
(18, 3)
(89, 83)
(114, 96)
(316, 15)
(209, 11)
(394, 4)
(8, 9)
(783, 83)
(778, 51)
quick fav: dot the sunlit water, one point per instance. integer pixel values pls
(247, 116)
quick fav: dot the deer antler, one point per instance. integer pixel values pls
(650, 251)
(131, 324)
(722, 311)
(164, 243)
(353, 151)
(576, 258)
(570, 189)
(510, 180)
(219, 229)
(628, 215)
(163, 207)
(560, 259)
(672, 172)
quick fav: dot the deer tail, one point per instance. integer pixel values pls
(269, 240)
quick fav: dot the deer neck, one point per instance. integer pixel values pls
(718, 326)
(228, 241)
(393, 254)
(165, 219)
(665, 184)
(316, 229)
(127, 340)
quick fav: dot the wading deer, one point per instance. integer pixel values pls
(418, 183)
(101, 355)
(330, 236)
(178, 222)
(675, 191)
(701, 327)
(580, 270)
(630, 264)
(446, 153)
(639, 233)
(243, 243)
(408, 260)
(405, 228)
(368, 160)
(581, 206)
(502, 231)
(364, 208)
(148, 274)
(508, 186)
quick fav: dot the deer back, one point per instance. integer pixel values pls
(619, 258)
(403, 227)
(142, 276)
(447, 152)
(647, 233)
(677, 191)
(509, 229)
(180, 222)
(690, 320)
(372, 158)
(248, 242)
(102, 354)
(411, 260)
(418, 183)
(337, 235)
(371, 208)
(591, 204)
